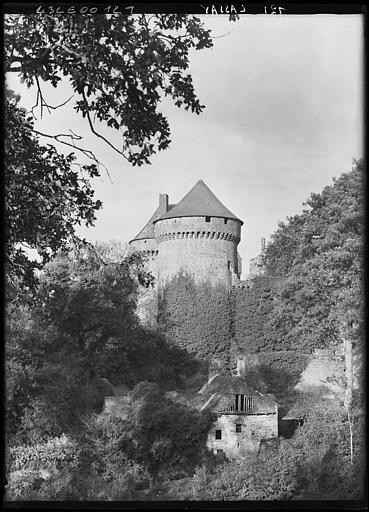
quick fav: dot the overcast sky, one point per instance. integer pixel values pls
(284, 115)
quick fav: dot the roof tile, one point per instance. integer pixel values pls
(199, 202)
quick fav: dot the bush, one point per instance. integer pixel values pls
(57, 451)
(42, 471)
(269, 476)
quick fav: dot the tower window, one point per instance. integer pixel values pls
(238, 427)
(225, 221)
(218, 434)
(228, 264)
(207, 219)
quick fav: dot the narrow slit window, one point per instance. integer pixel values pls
(225, 221)
(218, 434)
(228, 264)
(207, 219)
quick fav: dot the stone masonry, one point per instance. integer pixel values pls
(198, 236)
(243, 417)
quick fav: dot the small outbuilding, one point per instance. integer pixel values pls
(243, 417)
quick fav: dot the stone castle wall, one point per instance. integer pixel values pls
(148, 247)
(147, 300)
(206, 250)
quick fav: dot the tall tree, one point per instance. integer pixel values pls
(80, 324)
(46, 196)
(91, 305)
(320, 256)
(119, 66)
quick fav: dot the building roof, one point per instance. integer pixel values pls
(225, 385)
(199, 202)
(148, 230)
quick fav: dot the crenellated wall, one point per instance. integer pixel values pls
(149, 249)
(205, 249)
(197, 236)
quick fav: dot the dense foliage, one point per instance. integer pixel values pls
(119, 67)
(158, 437)
(46, 197)
(165, 437)
(320, 256)
(270, 353)
(218, 324)
(253, 309)
(71, 290)
(78, 339)
(313, 465)
(197, 317)
(327, 468)
(79, 328)
(118, 458)
(312, 293)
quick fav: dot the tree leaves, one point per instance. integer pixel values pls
(45, 198)
(197, 317)
(320, 256)
(120, 66)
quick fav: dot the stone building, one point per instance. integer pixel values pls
(199, 236)
(243, 417)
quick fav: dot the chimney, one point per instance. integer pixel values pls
(163, 203)
(262, 245)
(241, 367)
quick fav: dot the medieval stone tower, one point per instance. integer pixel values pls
(199, 236)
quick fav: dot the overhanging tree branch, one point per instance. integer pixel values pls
(96, 133)
(87, 152)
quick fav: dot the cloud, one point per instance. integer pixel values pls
(283, 98)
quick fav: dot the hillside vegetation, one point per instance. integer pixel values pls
(320, 256)
(78, 331)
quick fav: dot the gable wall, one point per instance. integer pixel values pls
(255, 427)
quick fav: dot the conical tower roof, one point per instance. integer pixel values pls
(148, 230)
(199, 202)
